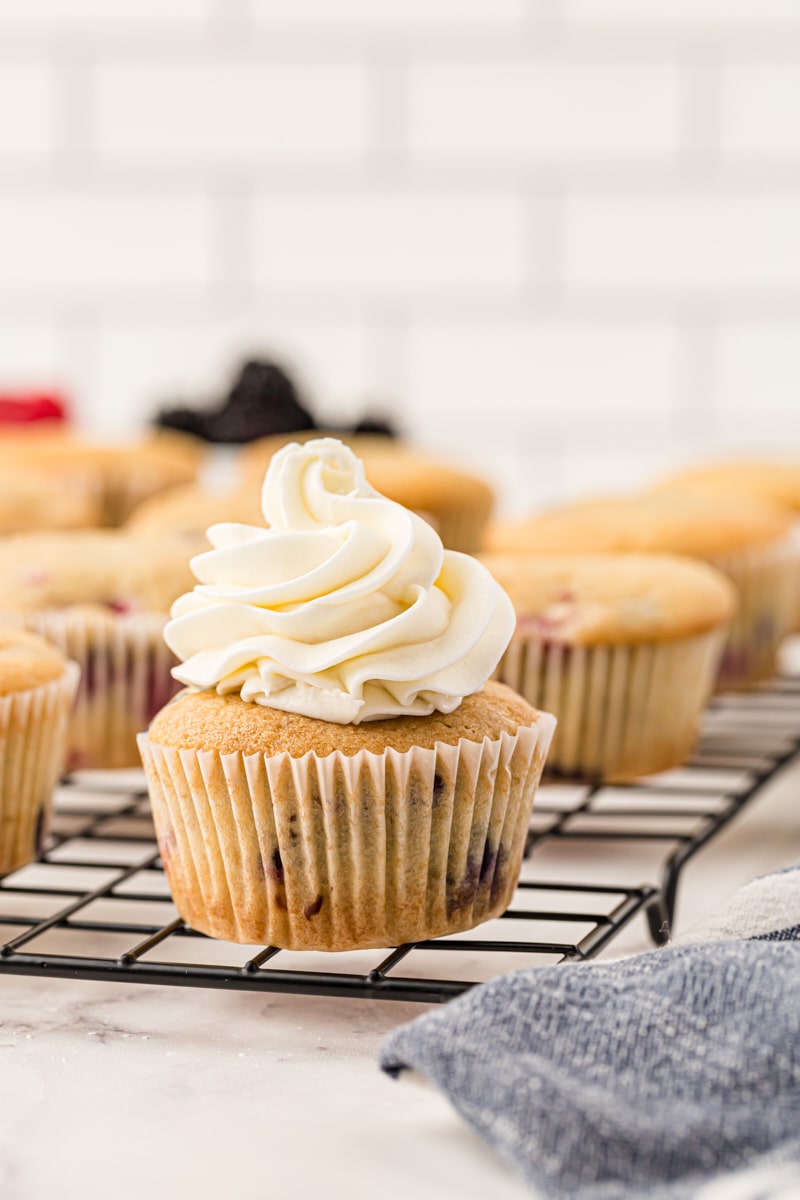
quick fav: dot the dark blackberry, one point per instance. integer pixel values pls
(263, 400)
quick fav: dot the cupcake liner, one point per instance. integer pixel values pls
(33, 729)
(766, 580)
(623, 711)
(461, 528)
(344, 852)
(794, 537)
(125, 679)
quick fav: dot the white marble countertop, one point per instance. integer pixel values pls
(117, 1090)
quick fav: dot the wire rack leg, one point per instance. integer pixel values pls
(670, 878)
(658, 920)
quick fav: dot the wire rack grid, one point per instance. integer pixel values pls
(97, 905)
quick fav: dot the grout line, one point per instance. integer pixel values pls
(541, 25)
(386, 130)
(73, 115)
(700, 122)
(77, 330)
(233, 244)
(697, 371)
(230, 22)
(544, 247)
(493, 308)
(545, 24)
(288, 175)
(388, 364)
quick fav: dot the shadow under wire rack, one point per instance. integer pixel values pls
(97, 906)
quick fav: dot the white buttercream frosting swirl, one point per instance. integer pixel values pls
(346, 607)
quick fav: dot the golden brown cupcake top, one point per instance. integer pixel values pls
(121, 475)
(27, 661)
(184, 450)
(606, 599)
(655, 522)
(775, 481)
(29, 499)
(124, 573)
(228, 724)
(65, 450)
(254, 458)
(190, 510)
(426, 483)
(412, 478)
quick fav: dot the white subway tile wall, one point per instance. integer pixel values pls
(26, 112)
(92, 243)
(714, 243)
(518, 109)
(559, 239)
(759, 110)
(396, 243)
(691, 12)
(50, 17)
(232, 110)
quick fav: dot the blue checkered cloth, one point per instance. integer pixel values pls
(669, 1075)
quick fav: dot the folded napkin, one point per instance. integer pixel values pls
(669, 1075)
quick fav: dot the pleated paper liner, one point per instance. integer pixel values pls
(461, 528)
(125, 679)
(33, 733)
(345, 852)
(622, 711)
(766, 579)
(794, 538)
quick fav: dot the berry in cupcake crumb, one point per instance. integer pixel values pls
(313, 908)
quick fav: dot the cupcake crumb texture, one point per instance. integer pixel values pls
(27, 661)
(208, 721)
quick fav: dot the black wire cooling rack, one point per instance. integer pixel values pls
(97, 905)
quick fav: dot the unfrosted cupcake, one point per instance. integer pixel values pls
(338, 776)
(188, 511)
(622, 648)
(37, 686)
(458, 503)
(118, 477)
(775, 481)
(746, 538)
(28, 501)
(102, 597)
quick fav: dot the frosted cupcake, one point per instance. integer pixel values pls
(37, 686)
(337, 774)
(102, 597)
(457, 503)
(622, 648)
(746, 538)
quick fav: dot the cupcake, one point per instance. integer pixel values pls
(118, 476)
(622, 648)
(37, 686)
(338, 774)
(746, 538)
(188, 511)
(28, 501)
(102, 597)
(458, 504)
(776, 482)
